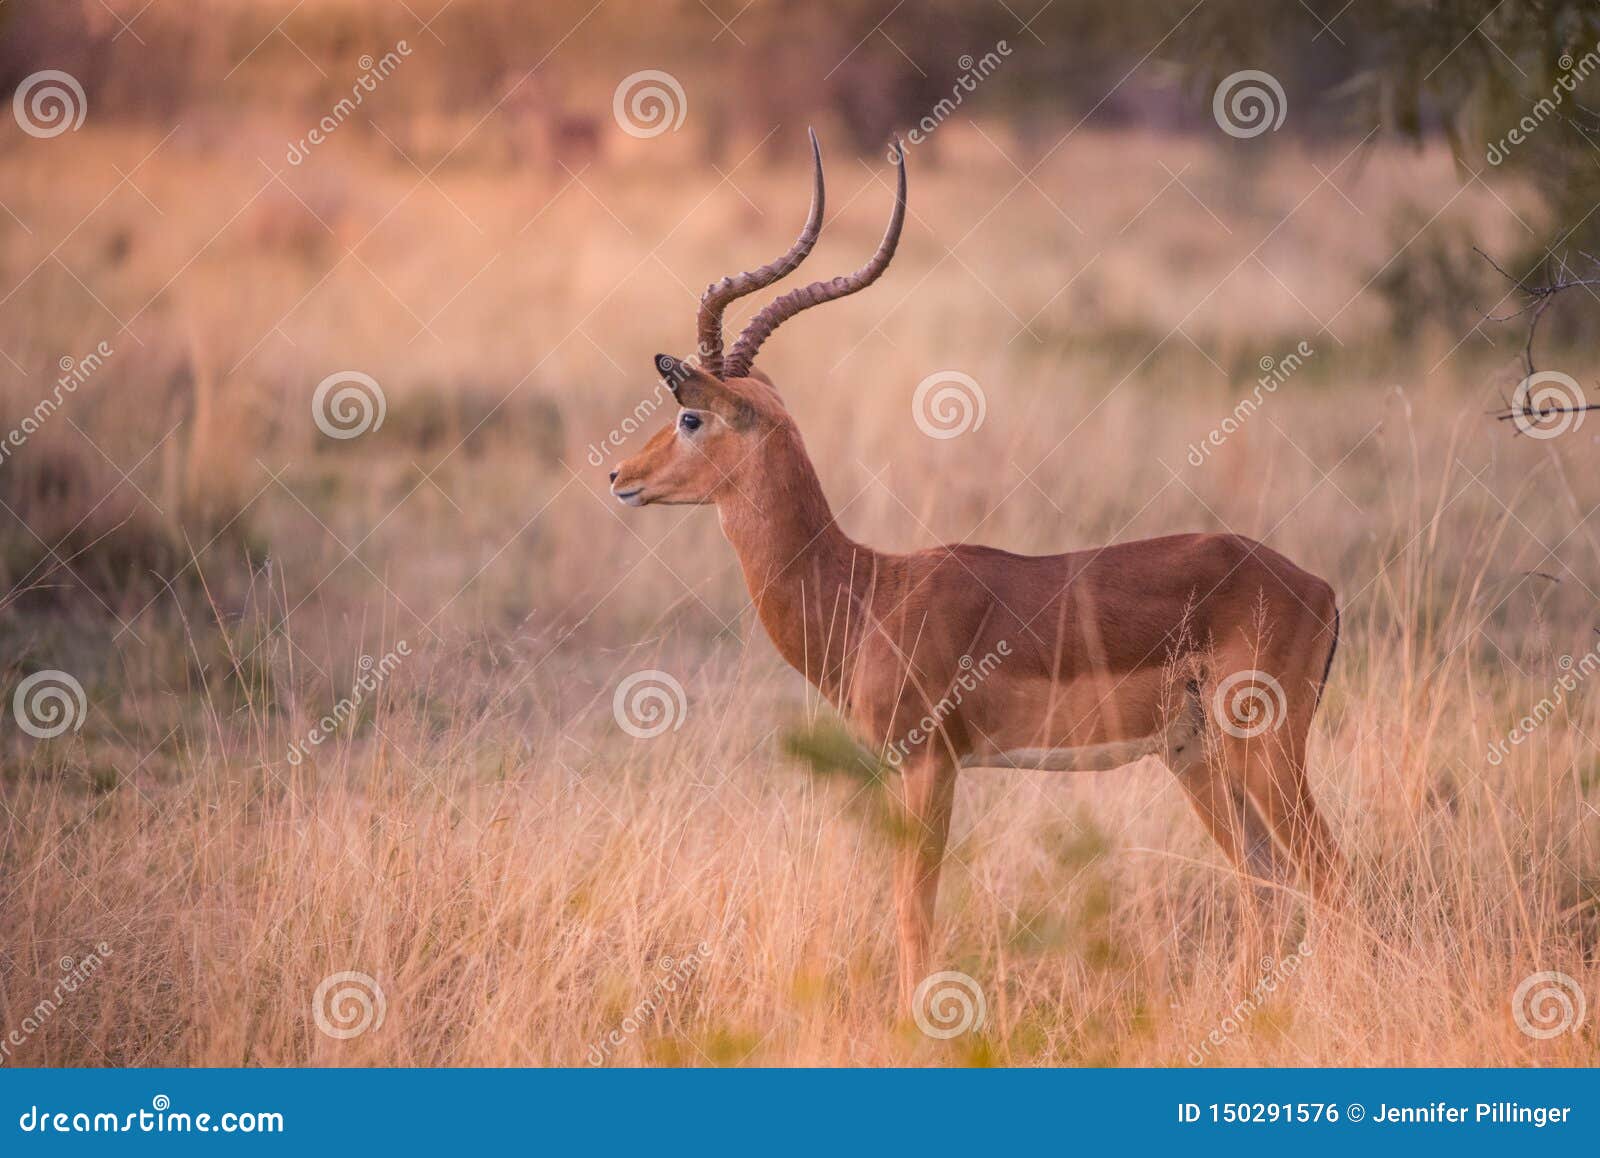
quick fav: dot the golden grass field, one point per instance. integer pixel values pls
(508, 864)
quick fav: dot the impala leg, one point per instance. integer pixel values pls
(1220, 800)
(1277, 779)
(927, 798)
(1224, 808)
(1219, 797)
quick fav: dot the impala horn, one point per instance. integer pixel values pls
(790, 304)
(719, 294)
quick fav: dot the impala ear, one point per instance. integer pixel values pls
(697, 389)
(689, 384)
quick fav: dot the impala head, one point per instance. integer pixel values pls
(728, 412)
(711, 442)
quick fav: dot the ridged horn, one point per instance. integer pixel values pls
(769, 319)
(718, 294)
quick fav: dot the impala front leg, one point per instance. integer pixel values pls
(927, 797)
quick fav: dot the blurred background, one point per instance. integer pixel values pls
(321, 324)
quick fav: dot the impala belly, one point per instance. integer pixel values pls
(1090, 724)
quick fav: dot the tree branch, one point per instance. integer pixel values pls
(1537, 298)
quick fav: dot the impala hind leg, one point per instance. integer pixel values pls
(1225, 809)
(1219, 798)
(927, 798)
(1223, 804)
(1275, 770)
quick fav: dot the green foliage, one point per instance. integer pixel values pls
(829, 751)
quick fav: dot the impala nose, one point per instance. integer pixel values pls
(613, 476)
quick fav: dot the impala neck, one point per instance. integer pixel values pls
(807, 578)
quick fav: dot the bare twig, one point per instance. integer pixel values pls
(1538, 296)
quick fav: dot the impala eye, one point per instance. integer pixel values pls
(689, 422)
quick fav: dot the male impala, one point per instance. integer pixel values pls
(1109, 654)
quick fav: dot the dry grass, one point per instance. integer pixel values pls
(509, 865)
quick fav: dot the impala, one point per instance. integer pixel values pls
(1093, 659)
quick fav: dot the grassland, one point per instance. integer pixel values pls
(512, 867)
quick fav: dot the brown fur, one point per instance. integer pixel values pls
(1093, 647)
